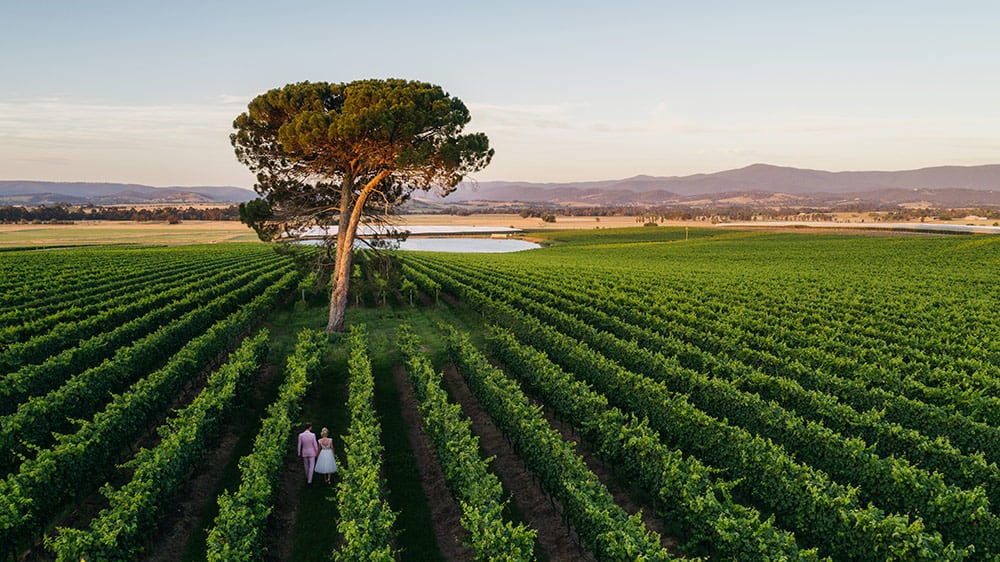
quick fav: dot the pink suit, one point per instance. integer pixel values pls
(308, 450)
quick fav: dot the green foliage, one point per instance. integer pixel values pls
(333, 153)
(168, 329)
(892, 483)
(359, 284)
(257, 214)
(691, 498)
(607, 530)
(408, 288)
(308, 284)
(612, 237)
(777, 396)
(381, 285)
(71, 347)
(403, 135)
(803, 498)
(423, 281)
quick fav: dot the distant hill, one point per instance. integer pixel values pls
(758, 184)
(49, 193)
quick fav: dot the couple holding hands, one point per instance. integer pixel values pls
(317, 454)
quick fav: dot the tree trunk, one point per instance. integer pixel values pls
(342, 278)
(341, 261)
(350, 217)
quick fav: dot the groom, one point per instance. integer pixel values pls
(308, 449)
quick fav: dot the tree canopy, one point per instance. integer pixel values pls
(327, 154)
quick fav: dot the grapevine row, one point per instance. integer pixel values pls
(120, 531)
(421, 280)
(832, 343)
(35, 420)
(477, 490)
(605, 528)
(779, 359)
(890, 439)
(102, 299)
(686, 489)
(49, 280)
(366, 521)
(802, 498)
(56, 475)
(130, 269)
(66, 333)
(961, 516)
(35, 380)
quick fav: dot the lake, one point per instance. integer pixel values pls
(458, 244)
(466, 245)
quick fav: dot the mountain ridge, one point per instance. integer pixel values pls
(756, 184)
(33, 192)
(806, 185)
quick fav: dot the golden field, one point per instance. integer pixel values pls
(124, 232)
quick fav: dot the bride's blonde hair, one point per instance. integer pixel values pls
(324, 432)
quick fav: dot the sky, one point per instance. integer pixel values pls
(143, 91)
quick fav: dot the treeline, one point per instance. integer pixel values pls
(647, 214)
(69, 213)
(941, 214)
(652, 214)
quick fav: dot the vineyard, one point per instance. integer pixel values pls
(645, 393)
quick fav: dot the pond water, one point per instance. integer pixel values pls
(466, 245)
(457, 244)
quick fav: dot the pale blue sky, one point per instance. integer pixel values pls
(145, 92)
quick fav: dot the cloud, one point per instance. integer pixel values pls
(229, 99)
(159, 144)
(66, 124)
(513, 116)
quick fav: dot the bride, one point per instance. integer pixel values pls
(325, 463)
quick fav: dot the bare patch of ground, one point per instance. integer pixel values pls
(125, 232)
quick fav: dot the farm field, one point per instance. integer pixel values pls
(709, 394)
(124, 232)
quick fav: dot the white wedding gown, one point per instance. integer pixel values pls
(325, 463)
